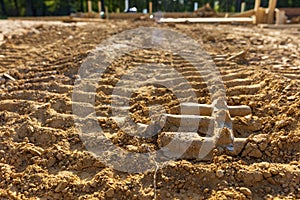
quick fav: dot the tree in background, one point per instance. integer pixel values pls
(3, 8)
(65, 7)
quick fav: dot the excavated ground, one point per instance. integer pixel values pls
(42, 156)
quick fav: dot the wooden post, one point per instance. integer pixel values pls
(260, 16)
(150, 7)
(195, 6)
(126, 5)
(99, 6)
(280, 16)
(90, 6)
(271, 10)
(257, 5)
(106, 12)
(243, 7)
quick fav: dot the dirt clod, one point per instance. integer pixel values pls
(246, 191)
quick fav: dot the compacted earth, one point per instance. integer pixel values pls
(43, 156)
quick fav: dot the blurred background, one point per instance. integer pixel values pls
(13, 8)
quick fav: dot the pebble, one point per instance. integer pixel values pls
(62, 185)
(271, 180)
(109, 193)
(274, 171)
(36, 151)
(267, 174)
(9, 88)
(291, 98)
(262, 146)
(93, 184)
(206, 190)
(246, 191)
(51, 161)
(59, 156)
(268, 189)
(219, 173)
(256, 153)
(282, 124)
(2, 80)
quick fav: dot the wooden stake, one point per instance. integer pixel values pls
(271, 10)
(260, 16)
(280, 16)
(126, 5)
(243, 7)
(99, 6)
(257, 5)
(106, 12)
(90, 6)
(8, 77)
(150, 7)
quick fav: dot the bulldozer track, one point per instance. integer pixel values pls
(262, 99)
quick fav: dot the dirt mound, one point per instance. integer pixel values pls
(41, 152)
(206, 11)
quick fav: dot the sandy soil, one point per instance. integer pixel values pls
(42, 156)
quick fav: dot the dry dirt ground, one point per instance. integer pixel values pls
(42, 156)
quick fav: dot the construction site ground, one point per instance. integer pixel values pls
(42, 155)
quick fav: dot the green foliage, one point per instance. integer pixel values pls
(65, 7)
